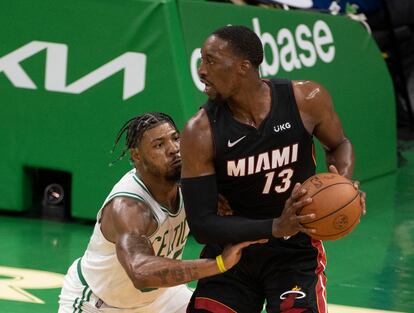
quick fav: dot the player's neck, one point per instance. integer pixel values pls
(251, 105)
(165, 192)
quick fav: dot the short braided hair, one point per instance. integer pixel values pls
(244, 42)
(136, 127)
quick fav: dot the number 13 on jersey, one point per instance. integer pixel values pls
(284, 185)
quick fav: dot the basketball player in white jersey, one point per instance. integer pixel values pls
(133, 261)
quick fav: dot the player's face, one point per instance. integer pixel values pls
(219, 68)
(159, 152)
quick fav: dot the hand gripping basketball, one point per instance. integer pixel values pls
(290, 223)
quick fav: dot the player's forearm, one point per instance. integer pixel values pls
(342, 157)
(156, 272)
(200, 198)
(136, 255)
(213, 229)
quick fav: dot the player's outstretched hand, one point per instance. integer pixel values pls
(289, 223)
(232, 252)
(362, 194)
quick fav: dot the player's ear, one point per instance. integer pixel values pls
(245, 67)
(135, 155)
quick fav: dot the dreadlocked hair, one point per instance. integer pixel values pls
(135, 129)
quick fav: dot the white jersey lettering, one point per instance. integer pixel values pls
(264, 161)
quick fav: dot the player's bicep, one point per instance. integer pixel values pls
(318, 104)
(131, 216)
(131, 219)
(330, 132)
(197, 147)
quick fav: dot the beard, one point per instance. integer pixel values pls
(215, 96)
(174, 175)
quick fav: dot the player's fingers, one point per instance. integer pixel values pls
(224, 212)
(333, 169)
(224, 205)
(261, 241)
(224, 208)
(289, 201)
(363, 202)
(223, 199)
(309, 231)
(306, 218)
(356, 184)
(301, 203)
(297, 192)
(245, 244)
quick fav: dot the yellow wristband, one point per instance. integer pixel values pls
(220, 264)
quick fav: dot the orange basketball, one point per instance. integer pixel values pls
(336, 203)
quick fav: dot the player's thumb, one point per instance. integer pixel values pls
(333, 169)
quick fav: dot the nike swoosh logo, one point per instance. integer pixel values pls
(231, 144)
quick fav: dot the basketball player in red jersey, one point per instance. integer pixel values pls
(253, 143)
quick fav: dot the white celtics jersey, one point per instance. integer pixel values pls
(100, 266)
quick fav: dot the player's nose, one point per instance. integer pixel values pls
(173, 147)
(202, 72)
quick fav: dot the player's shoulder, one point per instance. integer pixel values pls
(197, 123)
(197, 136)
(308, 90)
(311, 96)
(126, 214)
(132, 187)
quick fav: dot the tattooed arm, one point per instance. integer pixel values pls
(127, 223)
(149, 271)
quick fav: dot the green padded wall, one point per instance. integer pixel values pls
(71, 72)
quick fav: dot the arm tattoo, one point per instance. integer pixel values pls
(162, 275)
(177, 274)
(167, 271)
(192, 272)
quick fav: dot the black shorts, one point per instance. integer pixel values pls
(289, 275)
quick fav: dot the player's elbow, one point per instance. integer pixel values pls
(141, 273)
(141, 281)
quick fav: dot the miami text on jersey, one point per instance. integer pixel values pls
(262, 162)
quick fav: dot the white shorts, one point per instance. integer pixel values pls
(75, 297)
